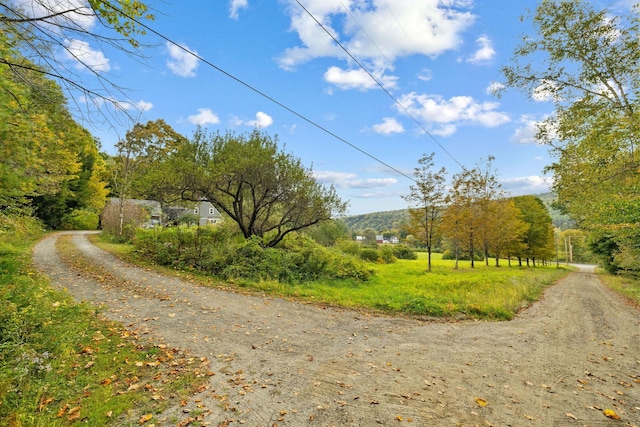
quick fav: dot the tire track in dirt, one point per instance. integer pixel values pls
(561, 362)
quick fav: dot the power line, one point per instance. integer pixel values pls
(259, 92)
(380, 84)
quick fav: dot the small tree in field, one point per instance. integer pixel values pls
(426, 199)
(267, 192)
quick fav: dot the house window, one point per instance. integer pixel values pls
(196, 211)
(211, 211)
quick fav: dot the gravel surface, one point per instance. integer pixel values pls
(564, 361)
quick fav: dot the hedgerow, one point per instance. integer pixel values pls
(218, 250)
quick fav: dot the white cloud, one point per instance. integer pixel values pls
(533, 184)
(204, 117)
(84, 56)
(140, 106)
(448, 114)
(181, 62)
(388, 126)
(82, 15)
(494, 88)
(349, 79)
(526, 134)
(376, 32)
(546, 91)
(235, 7)
(425, 75)
(485, 53)
(351, 180)
(357, 79)
(262, 120)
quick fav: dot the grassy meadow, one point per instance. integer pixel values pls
(404, 287)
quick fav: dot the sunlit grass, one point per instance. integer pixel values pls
(406, 288)
(62, 363)
(625, 285)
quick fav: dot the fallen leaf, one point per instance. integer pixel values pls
(610, 413)
(62, 411)
(145, 418)
(45, 402)
(481, 402)
(570, 415)
(399, 418)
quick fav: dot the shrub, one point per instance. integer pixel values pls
(404, 252)
(134, 216)
(386, 254)
(80, 219)
(463, 256)
(369, 254)
(221, 251)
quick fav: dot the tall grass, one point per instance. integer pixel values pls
(60, 362)
(628, 286)
(404, 287)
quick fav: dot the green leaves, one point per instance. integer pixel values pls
(585, 61)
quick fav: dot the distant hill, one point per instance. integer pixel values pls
(379, 221)
(560, 220)
(393, 220)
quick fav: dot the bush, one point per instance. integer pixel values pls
(134, 216)
(404, 252)
(463, 256)
(369, 254)
(221, 251)
(18, 228)
(80, 219)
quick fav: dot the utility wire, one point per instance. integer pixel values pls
(380, 84)
(259, 92)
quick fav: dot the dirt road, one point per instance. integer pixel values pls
(561, 362)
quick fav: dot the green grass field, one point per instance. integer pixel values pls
(405, 288)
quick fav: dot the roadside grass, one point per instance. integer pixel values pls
(405, 288)
(62, 363)
(627, 286)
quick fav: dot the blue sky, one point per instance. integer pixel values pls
(437, 58)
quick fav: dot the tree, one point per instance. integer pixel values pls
(538, 239)
(327, 233)
(487, 219)
(267, 192)
(459, 217)
(47, 31)
(426, 199)
(588, 68)
(506, 230)
(49, 162)
(134, 168)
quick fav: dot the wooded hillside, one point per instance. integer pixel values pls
(391, 220)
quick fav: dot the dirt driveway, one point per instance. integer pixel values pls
(561, 362)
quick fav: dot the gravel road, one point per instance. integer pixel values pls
(564, 361)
